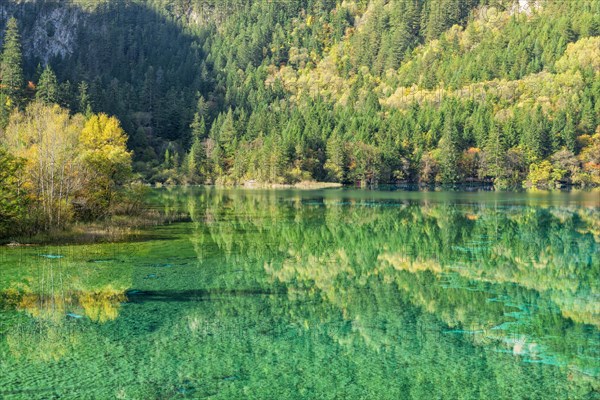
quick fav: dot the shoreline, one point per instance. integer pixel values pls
(304, 185)
(119, 228)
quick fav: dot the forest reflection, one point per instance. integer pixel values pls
(485, 286)
(500, 273)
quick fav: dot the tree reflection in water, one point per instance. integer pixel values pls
(353, 294)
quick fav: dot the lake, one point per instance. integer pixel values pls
(331, 294)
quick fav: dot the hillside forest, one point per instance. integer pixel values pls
(95, 95)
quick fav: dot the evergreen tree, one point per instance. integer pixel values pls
(202, 107)
(39, 70)
(4, 110)
(588, 116)
(47, 88)
(85, 104)
(535, 138)
(196, 156)
(558, 129)
(198, 127)
(168, 159)
(228, 135)
(336, 159)
(449, 152)
(495, 151)
(569, 134)
(276, 159)
(11, 65)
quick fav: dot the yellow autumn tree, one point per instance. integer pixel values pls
(106, 160)
(72, 167)
(46, 138)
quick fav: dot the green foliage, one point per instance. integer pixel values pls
(449, 152)
(84, 104)
(365, 164)
(61, 166)
(336, 159)
(427, 91)
(495, 152)
(196, 158)
(11, 66)
(542, 175)
(47, 88)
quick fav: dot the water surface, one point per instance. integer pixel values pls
(340, 294)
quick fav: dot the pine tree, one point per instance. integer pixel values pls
(4, 110)
(168, 161)
(569, 134)
(198, 127)
(535, 137)
(39, 70)
(202, 107)
(11, 65)
(557, 132)
(276, 159)
(85, 106)
(449, 152)
(47, 89)
(336, 159)
(228, 134)
(196, 156)
(433, 20)
(495, 150)
(588, 116)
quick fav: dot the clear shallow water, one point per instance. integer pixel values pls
(320, 294)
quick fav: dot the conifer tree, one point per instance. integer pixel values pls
(196, 156)
(535, 138)
(47, 89)
(569, 134)
(336, 159)
(198, 125)
(449, 152)
(38, 72)
(588, 116)
(228, 134)
(495, 150)
(85, 105)
(11, 65)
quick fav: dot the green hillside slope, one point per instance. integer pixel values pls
(428, 91)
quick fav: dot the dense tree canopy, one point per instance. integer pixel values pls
(372, 91)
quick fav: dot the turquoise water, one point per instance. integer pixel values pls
(340, 294)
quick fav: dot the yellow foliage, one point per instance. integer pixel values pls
(102, 306)
(581, 54)
(104, 145)
(67, 158)
(46, 137)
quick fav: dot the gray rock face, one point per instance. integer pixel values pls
(54, 32)
(55, 29)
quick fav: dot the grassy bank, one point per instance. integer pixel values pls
(114, 229)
